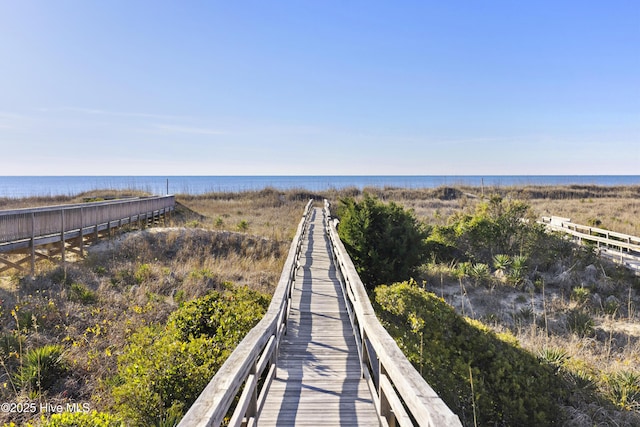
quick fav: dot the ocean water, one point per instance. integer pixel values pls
(28, 186)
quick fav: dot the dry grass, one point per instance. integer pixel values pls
(140, 278)
(31, 202)
(541, 320)
(92, 306)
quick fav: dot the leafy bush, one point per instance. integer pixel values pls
(501, 262)
(511, 387)
(385, 241)
(143, 272)
(164, 369)
(580, 295)
(496, 233)
(518, 270)
(212, 315)
(77, 419)
(480, 273)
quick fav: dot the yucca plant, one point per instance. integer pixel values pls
(624, 389)
(518, 270)
(580, 295)
(501, 262)
(41, 367)
(580, 322)
(554, 357)
(479, 272)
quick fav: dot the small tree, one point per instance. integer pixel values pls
(385, 241)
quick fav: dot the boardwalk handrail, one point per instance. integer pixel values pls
(53, 228)
(627, 247)
(594, 234)
(400, 393)
(30, 223)
(255, 354)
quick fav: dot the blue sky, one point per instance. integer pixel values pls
(319, 87)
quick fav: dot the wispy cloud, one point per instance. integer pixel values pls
(99, 112)
(14, 116)
(191, 130)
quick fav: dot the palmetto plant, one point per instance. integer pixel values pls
(518, 270)
(41, 367)
(553, 356)
(479, 272)
(624, 389)
(501, 262)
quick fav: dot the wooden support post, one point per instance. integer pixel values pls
(95, 232)
(385, 405)
(62, 242)
(252, 409)
(33, 243)
(81, 232)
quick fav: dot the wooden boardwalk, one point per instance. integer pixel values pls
(318, 379)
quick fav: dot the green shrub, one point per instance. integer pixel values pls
(80, 293)
(385, 241)
(480, 273)
(163, 369)
(501, 262)
(212, 315)
(518, 270)
(496, 233)
(511, 387)
(143, 273)
(159, 373)
(243, 225)
(81, 419)
(580, 295)
(554, 357)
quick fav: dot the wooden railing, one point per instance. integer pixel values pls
(593, 234)
(402, 397)
(626, 247)
(21, 224)
(252, 364)
(26, 229)
(250, 369)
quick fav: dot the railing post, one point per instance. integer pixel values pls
(386, 411)
(81, 231)
(62, 242)
(252, 409)
(95, 231)
(33, 243)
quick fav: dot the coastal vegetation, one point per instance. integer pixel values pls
(385, 241)
(530, 304)
(134, 331)
(489, 301)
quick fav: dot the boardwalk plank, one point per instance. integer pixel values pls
(318, 380)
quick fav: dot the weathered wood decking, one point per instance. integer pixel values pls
(319, 356)
(318, 379)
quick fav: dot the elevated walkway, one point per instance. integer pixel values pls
(318, 378)
(319, 356)
(27, 235)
